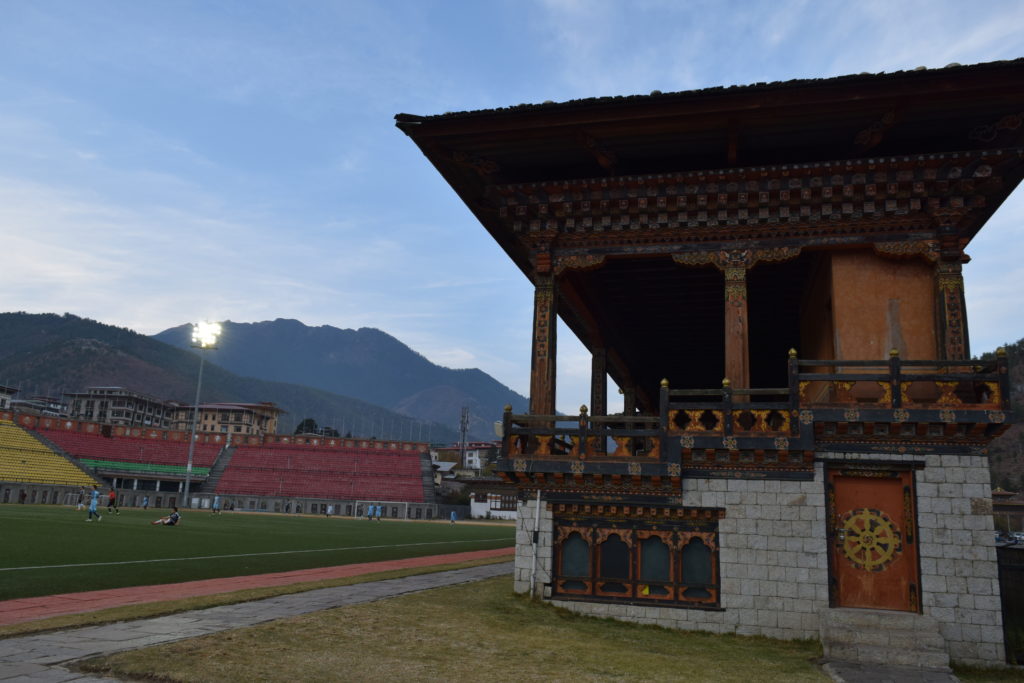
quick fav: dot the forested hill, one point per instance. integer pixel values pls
(366, 363)
(48, 353)
(1006, 454)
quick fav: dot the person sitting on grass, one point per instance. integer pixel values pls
(172, 519)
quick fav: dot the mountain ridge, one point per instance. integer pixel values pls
(55, 353)
(367, 363)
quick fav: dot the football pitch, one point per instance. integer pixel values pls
(51, 549)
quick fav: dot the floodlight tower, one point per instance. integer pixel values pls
(204, 336)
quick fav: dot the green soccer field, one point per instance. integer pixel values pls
(50, 549)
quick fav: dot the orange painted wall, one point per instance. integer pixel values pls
(879, 304)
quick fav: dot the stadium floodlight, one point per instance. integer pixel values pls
(204, 336)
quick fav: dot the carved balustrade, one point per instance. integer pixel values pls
(823, 399)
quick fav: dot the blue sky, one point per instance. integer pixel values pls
(162, 162)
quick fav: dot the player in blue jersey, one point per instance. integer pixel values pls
(94, 500)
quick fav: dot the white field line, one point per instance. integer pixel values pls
(219, 557)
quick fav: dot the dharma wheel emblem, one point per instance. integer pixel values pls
(870, 539)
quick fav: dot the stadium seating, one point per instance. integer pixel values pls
(23, 458)
(133, 455)
(348, 474)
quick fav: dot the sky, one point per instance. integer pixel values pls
(163, 162)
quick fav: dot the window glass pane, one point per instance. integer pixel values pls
(575, 556)
(653, 560)
(696, 569)
(614, 558)
(614, 564)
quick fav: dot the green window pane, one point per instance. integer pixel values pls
(575, 556)
(654, 560)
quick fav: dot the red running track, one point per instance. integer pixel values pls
(30, 609)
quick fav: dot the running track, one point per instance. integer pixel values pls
(30, 609)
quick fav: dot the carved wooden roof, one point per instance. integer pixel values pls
(740, 157)
(907, 163)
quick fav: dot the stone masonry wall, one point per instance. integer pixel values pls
(773, 556)
(959, 571)
(773, 567)
(524, 548)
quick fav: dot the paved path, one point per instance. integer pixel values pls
(848, 672)
(30, 609)
(39, 658)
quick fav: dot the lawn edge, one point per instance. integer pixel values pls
(166, 607)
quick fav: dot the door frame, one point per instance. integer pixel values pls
(872, 469)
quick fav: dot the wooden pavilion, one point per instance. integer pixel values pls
(772, 275)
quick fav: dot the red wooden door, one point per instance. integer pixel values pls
(873, 539)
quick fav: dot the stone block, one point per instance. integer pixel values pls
(949, 461)
(733, 498)
(934, 475)
(802, 529)
(978, 475)
(956, 584)
(962, 537)
(816, 499)
(983, 491)
(951, 630)
(951, 491)
(767, 617)
(788, 589)
(955, 475)
(926, 520)
(955, 522)
(983, 618)
(931, 583)
(992, 635)
(989, 603)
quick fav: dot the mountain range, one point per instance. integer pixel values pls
(49, 353)
(365, 363)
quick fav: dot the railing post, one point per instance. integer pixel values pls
(1003, 370)
(727, 407)
(794, 392)
(506, 429)
(895, 385)
(663, 403)
(583, 423)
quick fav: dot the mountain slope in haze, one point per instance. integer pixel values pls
(365, 363)
(47, 353)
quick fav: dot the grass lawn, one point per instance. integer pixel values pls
(52, 549)
(474, 632)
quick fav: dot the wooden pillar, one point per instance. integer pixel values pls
(542, 365)
(599, 382)
(629, 401)
(952, 311)
(737, 363)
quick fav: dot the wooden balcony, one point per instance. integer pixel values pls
(893, 406)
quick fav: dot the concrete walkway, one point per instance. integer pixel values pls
(40, 657)
(31, 609)
(849, 672)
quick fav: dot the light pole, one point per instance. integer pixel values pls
(204, 336)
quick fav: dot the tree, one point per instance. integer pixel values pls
(307, 426)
